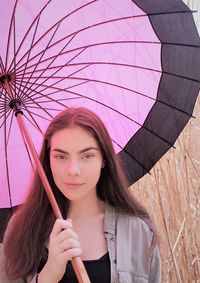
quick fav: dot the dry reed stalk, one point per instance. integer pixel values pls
(172, 196)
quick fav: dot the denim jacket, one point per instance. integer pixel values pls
(129, 240)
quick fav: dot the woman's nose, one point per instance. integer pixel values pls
(73, 168)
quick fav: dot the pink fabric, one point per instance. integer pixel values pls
(101, 65)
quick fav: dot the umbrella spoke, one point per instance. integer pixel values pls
(14, 56)
(40, 59)
(51, 28)
(139, 93)
(90, 64)
(20, 68)
(80, 30)
(29, 53)
(9, 34)
(86, 80)
(57, 101)
(130, 155)
(4, 116)
(27, 33)
(94, 25)
(39, 106)
(60, 68)
(34, 122)
(1, 66)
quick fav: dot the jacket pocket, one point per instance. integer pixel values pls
(127, 277)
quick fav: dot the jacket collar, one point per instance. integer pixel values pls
(110, 220)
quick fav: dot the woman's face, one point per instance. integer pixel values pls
(76, 162)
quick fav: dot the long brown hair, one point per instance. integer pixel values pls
(24, 243)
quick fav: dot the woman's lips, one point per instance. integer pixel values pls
(74, 185)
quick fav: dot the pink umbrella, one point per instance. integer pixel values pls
(135, 64)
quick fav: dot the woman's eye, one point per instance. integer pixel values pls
(87, 156)
(60, 156)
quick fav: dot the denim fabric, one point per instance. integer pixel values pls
(129, 241)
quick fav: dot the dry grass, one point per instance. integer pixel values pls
(172, 196)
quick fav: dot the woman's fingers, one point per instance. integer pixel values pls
(67, 234)
(60, 225)
(70, 253)
(63, 238)
(69, 243)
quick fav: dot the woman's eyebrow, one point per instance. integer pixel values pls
(80, 151)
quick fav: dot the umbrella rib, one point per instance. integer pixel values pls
(31, 113)
(51, 99)
(94, 25)
(116, 111)
(40, 59)
(131, 90)
(1, 66)
(99, 44)
(36, 127)
(9, 33)
(29, 54)
(14, 56)
(79, 31)
(114, 85)
(34, 107)
(87, 47)
(3, 115)
(47, 101)
(90, 64)
(45, 87)
(28, 31)
(3, 93)
(39, 106)
(60, 67)
(74, 11)
(26, 99)
(138, 162)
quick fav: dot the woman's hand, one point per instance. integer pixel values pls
(63, 246)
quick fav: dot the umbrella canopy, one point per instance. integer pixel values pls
(135, 63)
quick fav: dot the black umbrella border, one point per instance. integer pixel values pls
(174, 25)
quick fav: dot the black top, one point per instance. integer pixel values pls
(98, 270)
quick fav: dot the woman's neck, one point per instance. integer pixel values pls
(82, 210)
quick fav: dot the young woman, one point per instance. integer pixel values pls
(104, 224)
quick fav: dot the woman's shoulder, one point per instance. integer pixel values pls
(132, 227)
(134, 223)
(129, 226)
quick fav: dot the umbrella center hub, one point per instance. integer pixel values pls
(4, 78)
